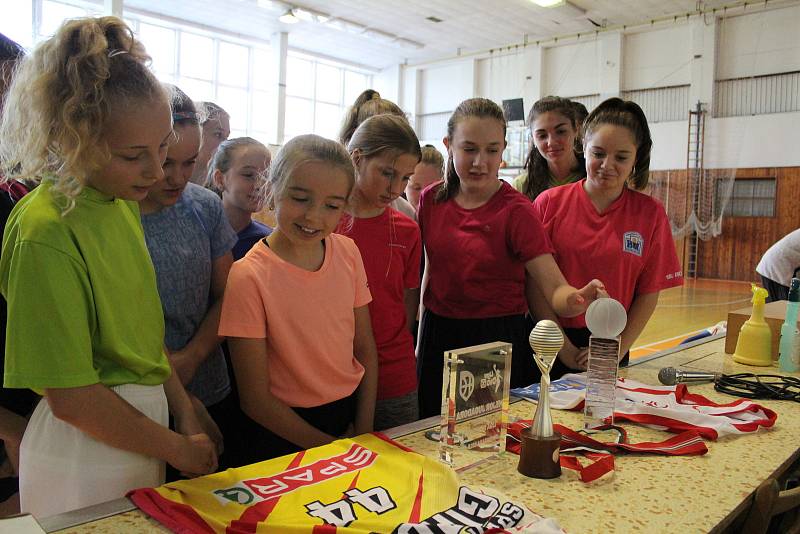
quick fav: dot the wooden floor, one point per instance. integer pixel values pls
(684, 311)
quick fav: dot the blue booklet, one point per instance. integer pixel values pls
(570, 382)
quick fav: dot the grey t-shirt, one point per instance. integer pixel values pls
(183, 241)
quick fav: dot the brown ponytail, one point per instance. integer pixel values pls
(474, 107)
(368, 104)
(629, 115)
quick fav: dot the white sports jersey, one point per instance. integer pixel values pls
(670, 408)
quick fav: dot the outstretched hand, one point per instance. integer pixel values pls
(579, 300)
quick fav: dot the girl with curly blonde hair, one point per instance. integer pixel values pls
(86, 118)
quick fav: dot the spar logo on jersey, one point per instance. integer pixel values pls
(248, 492)
(633, 242)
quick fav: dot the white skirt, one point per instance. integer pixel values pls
(63, 469)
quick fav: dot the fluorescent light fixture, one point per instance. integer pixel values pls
(571, 10)
(562, 7)
(309, 15)
(380, 36)
(408, 43)
(303, 14)
(289, 17)
(345, 26)
(354, 28)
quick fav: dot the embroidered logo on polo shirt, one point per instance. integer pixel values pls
(633, 242)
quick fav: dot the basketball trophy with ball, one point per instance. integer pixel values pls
(606, 319)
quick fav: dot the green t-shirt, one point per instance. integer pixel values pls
(83, 305)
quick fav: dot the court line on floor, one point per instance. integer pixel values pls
(704, 305)
(680, 336)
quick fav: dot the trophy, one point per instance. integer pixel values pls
(539, 456)
(475, 396)
(605, 319)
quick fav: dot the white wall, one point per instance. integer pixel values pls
(388, 83)
(757, 141)
(571, 69)
(445, 86)
(731, 142)
(659, 58)
(759, 43)
(511, 75)
(669, 145)
(688, 52)
(504, 76)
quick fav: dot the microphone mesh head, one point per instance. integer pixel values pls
(667, 376)
(546, 340)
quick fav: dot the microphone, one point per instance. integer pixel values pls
(669, 376)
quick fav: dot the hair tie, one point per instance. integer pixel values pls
(116, 52)
(183, 115)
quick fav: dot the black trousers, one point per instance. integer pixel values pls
(776, 291)
(440, 334)
(248, 442)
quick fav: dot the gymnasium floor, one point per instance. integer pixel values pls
(684, 311)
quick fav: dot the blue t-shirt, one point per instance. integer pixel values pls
(183, 241)
(248, 237)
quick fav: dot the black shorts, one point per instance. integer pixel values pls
(440, 334)
(248, 442)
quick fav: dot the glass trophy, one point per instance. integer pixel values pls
(475, 386)
(606, 319)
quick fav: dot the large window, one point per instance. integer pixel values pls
(318, 93)
(210, 67)
(234, 73)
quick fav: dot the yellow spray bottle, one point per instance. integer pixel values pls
(754, 346)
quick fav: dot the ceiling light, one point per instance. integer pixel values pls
(289, 17)
(344, 26)
(309, 15)
(562, 7)
(380, 36)
(408, 43)
(303, 14)
(569, 9)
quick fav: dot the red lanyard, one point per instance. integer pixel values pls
(601, 454)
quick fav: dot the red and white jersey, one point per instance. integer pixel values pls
(670, 408)
(629, 247)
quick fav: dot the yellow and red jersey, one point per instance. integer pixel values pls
(361, 485)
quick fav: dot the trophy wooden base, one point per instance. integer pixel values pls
(539, 457)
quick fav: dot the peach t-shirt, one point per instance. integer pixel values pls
(305, 317)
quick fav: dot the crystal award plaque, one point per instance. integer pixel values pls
(475, 388)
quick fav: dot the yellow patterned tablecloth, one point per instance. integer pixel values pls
(646, 493)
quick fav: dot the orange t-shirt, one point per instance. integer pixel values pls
(306, 319)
